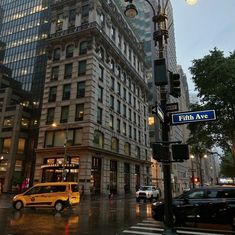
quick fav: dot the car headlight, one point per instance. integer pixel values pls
(14, 198)
(157, 203)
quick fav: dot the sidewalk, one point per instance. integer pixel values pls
(5, 200)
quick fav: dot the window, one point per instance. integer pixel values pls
(111, 102)
(85, 14)
(135, 134)
(196, 195)
(130, 115)
(85, 10)
(101, 53)
(134, 117)
(59, 22)
(124, 128)
(124, 110)
(99, 115)
(49, 139)
(129, 98)
(98, 139)
(118, 125)
(64, 114)
(52, 94)
(79, 112)
(124, 93)
(69, 51)
(118, 106)
(111, 121)
(68, 71)
(25, 122)
(72, 17)
(119, 41)
(82, 67)
(80, 89)
(130, 131)
(66, 92)
(50, 115)
(102, 19)
(101, 72)
(114, 144)
(21, 146)
(8, 122)
(124, 47)
(118, 71)
(100, 94)
(55, 73)
(119, 89)
(112, 65)
(6, 145)
(113, 83)
(83, 48)
(137, 152)
(113, 33)
(127, 149)
(56, 54)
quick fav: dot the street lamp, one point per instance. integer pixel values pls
(192, 170)
(65, 150)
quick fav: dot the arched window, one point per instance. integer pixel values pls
(83, 48)
(98, 139)
(56, 54)
(69, 51)
(127, 149)
(114, 144)
(112, 65)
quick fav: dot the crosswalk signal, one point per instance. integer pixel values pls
(180, 152)
(175, 85)
(160, 152)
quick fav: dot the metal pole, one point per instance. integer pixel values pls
(65, 154)
(192, 173)
(200, 170)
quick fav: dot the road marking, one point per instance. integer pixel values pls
(144, 228)
(149, 224)
(137, 232)
(198, 233)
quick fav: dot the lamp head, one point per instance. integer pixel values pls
(191, 2)
(131, 10)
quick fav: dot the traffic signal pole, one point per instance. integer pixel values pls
(159, 36)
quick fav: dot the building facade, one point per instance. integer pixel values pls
(25, 26)
(96, 93)
(16, 132)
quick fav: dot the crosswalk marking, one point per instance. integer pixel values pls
(152, 227)
(144, 228)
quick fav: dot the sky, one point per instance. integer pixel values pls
(200, 28)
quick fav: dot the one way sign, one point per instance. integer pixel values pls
(158, 111)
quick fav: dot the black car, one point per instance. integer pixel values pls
(204, 205)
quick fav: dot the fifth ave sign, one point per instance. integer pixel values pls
(197, 116)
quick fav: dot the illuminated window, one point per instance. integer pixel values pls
(21, 146)
(79, 112)
(6, 145)
(25, 122)
(8, 122)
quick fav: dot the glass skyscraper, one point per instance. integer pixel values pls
(24, 30)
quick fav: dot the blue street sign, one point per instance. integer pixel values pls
(197, 116)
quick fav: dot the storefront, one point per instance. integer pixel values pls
(52, 169)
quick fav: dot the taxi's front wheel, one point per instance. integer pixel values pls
(59, 206)
(18, 205)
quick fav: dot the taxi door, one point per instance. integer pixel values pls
(74, 194)
(32, 197)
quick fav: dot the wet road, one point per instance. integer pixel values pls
(102, 217)
(90, 217)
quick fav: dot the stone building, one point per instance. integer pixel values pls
(93, 126)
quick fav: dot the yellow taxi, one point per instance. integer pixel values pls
(56, 195)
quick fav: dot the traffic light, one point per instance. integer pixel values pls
(160, 72)
(180, 152)
(175, 84)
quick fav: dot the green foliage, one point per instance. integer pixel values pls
(227, 167)
(214, 78)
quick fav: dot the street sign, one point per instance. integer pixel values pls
(158, 111)
(172, 107)
(197, 116)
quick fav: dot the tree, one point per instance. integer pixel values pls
(214, 78)
(227, 167)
